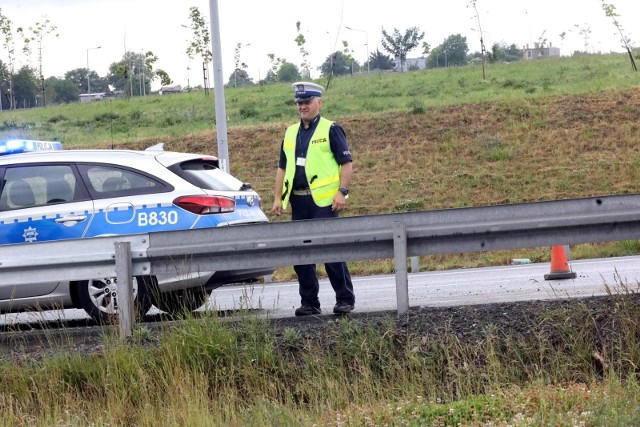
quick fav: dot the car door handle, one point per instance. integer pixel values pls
(71, 218)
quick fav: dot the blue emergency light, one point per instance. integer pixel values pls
(15, 146)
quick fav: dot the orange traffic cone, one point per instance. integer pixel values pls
(559, 265)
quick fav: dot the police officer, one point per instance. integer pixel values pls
(314, 174)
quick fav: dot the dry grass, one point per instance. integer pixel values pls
(465, 155)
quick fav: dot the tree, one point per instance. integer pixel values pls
(288, 72)
(400, 45)
(452, 51)
(148, 75)
(78, 77)
(200, 43)
(240, 78)
(128, 74)
(37, 34)
(62, 91)
(165, 80)
(380, 61)
(270, 78)
(483, 50)
(239, 66)
(540, 44)
(8, 45)
(347, 55)
(4, 87)
(276, 63)
(610, 11)
(501, 52)
(25, 88)
(300, 41)
(336, 64)
(131, 74)
(426, 48)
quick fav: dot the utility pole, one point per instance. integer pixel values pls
(218, 81)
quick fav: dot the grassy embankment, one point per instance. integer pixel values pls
(438, 139)
(568, 366)
(442, 138)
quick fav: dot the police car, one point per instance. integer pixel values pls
(50, 194)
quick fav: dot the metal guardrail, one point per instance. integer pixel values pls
(397, 236)
(69, 259)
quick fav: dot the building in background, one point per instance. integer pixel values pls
(90, 97)
(544, 52)
(410, 64)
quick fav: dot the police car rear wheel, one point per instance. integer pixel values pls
(182, 301)
(99, 297)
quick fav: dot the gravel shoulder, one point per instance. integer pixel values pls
(468, 324)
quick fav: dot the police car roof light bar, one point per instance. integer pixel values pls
(15, 146)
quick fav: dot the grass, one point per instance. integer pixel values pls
(567, 366)
(184, 115)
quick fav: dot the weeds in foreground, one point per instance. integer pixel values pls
(573, 365)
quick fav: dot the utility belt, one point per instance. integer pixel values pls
(302, 192)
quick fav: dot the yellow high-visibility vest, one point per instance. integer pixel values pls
(321, 168)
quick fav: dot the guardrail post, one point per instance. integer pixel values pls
(415, 264)
(125, 288)
(400, 256)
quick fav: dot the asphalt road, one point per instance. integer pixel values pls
(434, 289)
(446, 288)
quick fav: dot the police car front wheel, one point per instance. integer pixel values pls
(99, 297)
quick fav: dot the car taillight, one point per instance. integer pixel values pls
(204, 205)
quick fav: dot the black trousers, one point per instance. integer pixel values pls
(303, 207)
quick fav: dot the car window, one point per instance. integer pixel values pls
(28, 186)
(111, 181)
(206, 175)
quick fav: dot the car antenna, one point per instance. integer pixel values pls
(158, 147)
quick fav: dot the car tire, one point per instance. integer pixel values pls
(99, 297)
(180, 302)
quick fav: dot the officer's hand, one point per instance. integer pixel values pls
(277, 207)
(339, 202)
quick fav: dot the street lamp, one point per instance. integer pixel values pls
(88, 70)
(366, 36)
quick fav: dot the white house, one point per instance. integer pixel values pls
(545, 52)
(165, 90)
(90, 97)
(419, 63)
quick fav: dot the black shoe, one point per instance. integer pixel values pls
(307, 310)
(342, 308)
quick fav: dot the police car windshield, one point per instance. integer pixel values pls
(206, 175)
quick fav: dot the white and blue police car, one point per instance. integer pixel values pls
(49, 194)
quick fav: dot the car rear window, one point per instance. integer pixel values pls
(106, 181)
(205, 174)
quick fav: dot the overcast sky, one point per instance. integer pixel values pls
(270, 27)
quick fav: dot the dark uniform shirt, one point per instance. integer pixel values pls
(337, 142)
